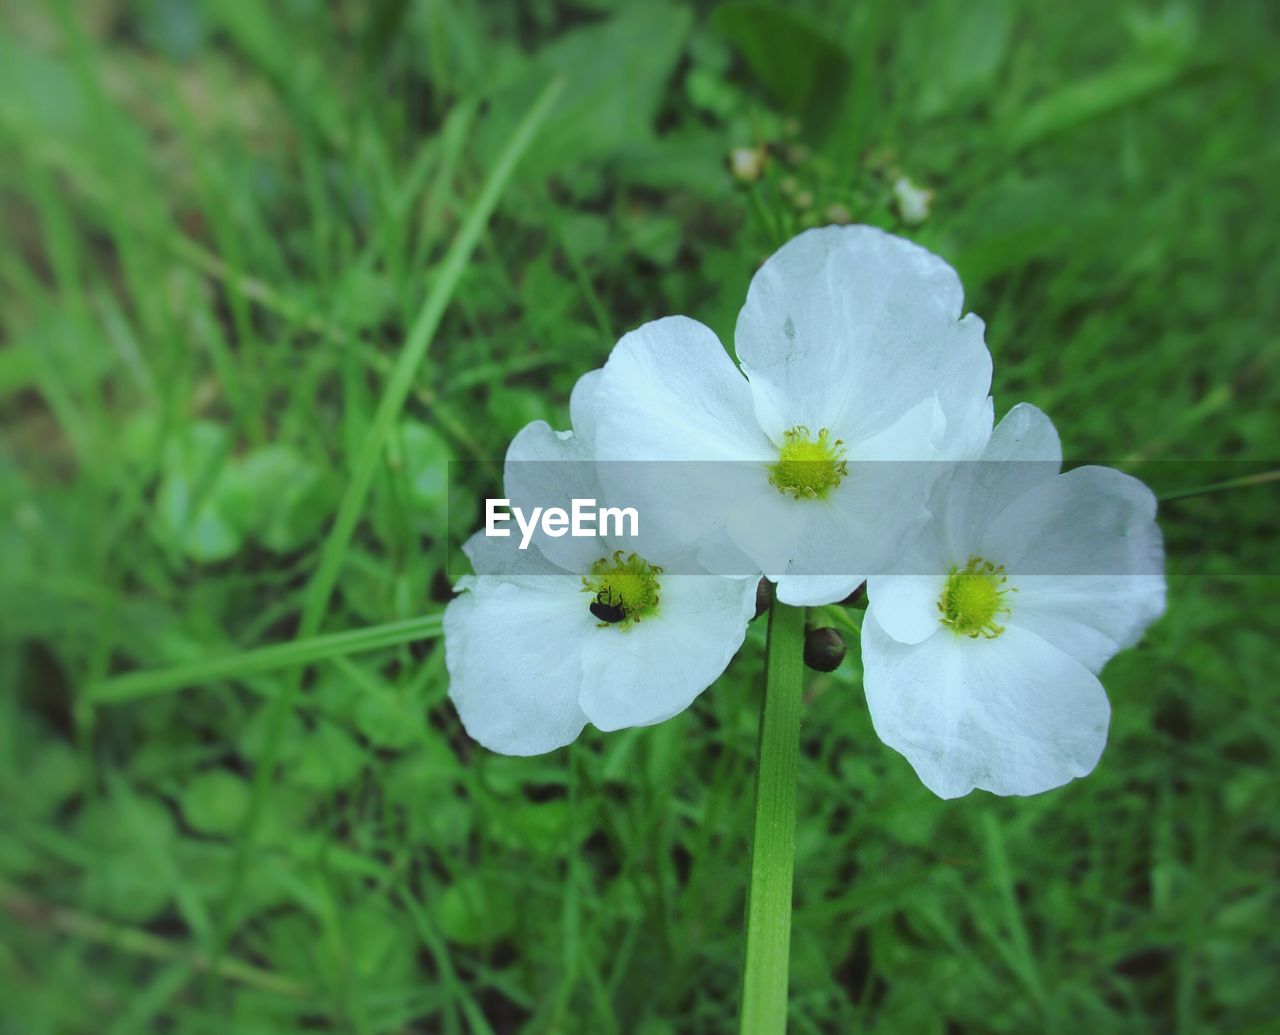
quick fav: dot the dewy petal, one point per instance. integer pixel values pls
(513, 652)
(655, 669)
(849, 327)
(1087, 559)
(677, 438)
(1012, 715)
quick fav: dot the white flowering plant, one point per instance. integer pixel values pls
(852, 446)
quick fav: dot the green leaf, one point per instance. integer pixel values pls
(204, 868)
(1084, 100)
(380, 944)
(446, 824)
(215, 802)
(126, 882)
(389, 721)
(126, 886)
(963, 48)
(423, 457)
(196, 501)
(475, 911)
(541, 827)
(657, 238)
(795, 61)
(280, 498)
(612, 93)
(428, 770)
(328, 759)
(50, 776)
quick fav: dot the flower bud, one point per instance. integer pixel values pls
(747, 163)
(823, 649)
(764, 596)
(838, 214)
(913, 202)
(797, 154)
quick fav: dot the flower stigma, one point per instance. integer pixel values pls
(626, 587)
(973, 598)
(808, 468)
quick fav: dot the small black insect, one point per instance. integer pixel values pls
(608, 612)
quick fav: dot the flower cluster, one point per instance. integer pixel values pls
(852, 444)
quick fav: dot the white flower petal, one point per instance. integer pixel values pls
(1090, 617)
(677, 438)
(583, 408)
(812, 547)
(1089, 521)
(1025, 434)
(906, 606)
(1087, 559)
(1013, 715)
(513, 651)
(495, 555)
(849, 327)
(819, 550)
(546, 468)
(671, 392)
(655, 669)
(907, 441)
(1023, 452)
(815, 590)
(967, 432)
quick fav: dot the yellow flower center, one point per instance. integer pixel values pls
(623, 589)
(973, 598)
(808, 468)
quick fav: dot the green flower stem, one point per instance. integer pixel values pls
(764, 991)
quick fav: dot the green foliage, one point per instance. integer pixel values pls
(795, 60)
(222, 222)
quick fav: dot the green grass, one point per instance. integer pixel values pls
(233, 230)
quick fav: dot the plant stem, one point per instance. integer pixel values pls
(764, 991)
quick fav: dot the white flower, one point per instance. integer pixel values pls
(855, 355)
(913, 202)
(530, 663)
(747, 163)
(982, 658)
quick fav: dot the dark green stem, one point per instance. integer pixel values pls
(764, 992)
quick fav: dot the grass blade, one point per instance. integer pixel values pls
(320, 589)
(272, 658)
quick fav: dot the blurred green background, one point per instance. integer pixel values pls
(221, 220)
